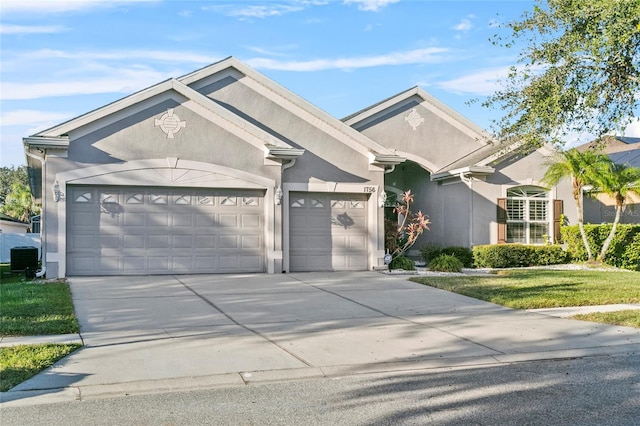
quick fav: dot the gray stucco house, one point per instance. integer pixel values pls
(223, 170)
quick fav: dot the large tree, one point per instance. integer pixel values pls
(578, 70)
(584, 169)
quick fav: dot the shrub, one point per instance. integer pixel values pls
(429, 252)
(446, 263)
(402, 262)
(517, 255)
(624, 251)
(464, 254)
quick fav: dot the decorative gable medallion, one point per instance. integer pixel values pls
(414, 119)
(170, 123)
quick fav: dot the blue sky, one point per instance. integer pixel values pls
(61, 59)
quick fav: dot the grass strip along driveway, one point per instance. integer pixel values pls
(29, 308)
(539, 288)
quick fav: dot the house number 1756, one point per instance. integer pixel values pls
(369, 189)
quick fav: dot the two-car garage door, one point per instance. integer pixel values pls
(131, 230)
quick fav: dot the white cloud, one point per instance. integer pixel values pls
(371, 5)
(419, 56)
(256, 11)
(481, 83)
(31, 29)
(633, 128)
(464, 25)
(29, 117)
(118, 55)
(116, 81)
(58, 6)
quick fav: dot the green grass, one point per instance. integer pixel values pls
(629, 318)
(539, 288)
(19, 363)
(36, 308)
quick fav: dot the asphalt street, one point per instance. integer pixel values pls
(597, 390)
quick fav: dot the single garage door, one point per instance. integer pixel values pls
(328, 231)
(130, 230)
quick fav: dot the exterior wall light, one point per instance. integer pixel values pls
(278, 196)
(57, 194)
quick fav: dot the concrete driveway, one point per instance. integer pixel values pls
(166, 332)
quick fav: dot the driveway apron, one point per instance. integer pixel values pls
(142, 328)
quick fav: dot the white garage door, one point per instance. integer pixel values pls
(328, 232)
(129, 230)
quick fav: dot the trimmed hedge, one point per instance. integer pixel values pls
(517, 255)
(624, 251)
(463, 254)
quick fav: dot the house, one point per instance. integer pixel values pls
(223, 170)
(10, 225)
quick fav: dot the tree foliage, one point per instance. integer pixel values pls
(579, 71)
(9, 176)
(19, 203)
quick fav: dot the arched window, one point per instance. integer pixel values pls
(528, 215)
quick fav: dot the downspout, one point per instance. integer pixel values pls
(43, 234)
(469, 182)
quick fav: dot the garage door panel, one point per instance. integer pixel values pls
(184, 219)
(158, 219)
(133, 241)
(163, 231)
(328, 231)
(158, 241)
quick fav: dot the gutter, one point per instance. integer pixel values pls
(43, 235)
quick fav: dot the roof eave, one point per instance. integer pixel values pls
(471, 171)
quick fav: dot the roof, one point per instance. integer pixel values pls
(620, 149)
(187, 86)
(7, 218)
(430, 102)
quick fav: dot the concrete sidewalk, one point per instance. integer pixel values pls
(148, 334)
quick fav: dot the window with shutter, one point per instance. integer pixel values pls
(524, 216)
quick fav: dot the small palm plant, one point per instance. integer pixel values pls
(620, 182)
(583, 168)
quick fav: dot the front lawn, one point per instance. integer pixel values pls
(628, 318)
(540, 288)
(19, 363)
(36, 308)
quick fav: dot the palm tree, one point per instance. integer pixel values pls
(583, 169)
(619, 181)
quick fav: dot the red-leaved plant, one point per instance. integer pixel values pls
(399, 237)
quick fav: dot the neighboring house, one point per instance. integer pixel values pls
(601, 208)
(10, 225)
(223, 170)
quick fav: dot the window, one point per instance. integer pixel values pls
(527, 215)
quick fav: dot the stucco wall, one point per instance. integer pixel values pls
(434, 139)
(325, 159)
